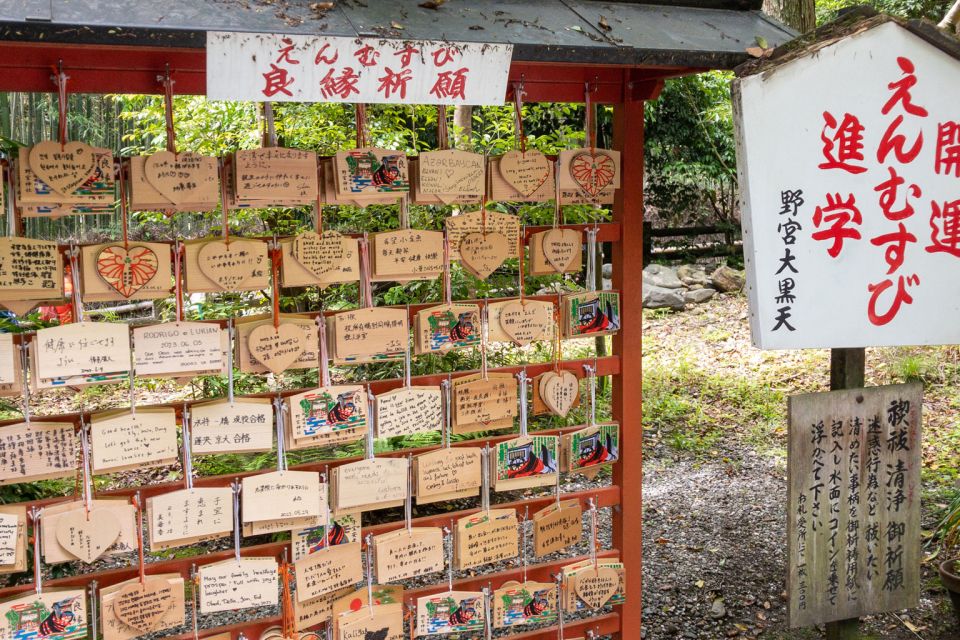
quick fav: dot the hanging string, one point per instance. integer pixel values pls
(270, 135)
(522, 397)
(178, 254)
(520, 252)
(237, 488)
(318, 206)
(408, 503)
(449, 544)
(138, 503)
(275, 258)
(445, 387)
(591, 276)
(35, 515)
(404, 212)
(518, 115)
(85, 453)
(366, 290)
(60, 80)
(406, 358)
(281, 446)
(557, 336)
(133, 392)
(94, 608)
(187, 448)
(557, 208)
(443, 135)
(484, 337)
(224, 200)
(485, 479)
(230, 335)
(167, 82)
(590, 130)
(360, 111)
(447, 280)
(194, 601)
(322, 359)
(523, 540)
(560, 606)
(369, 568)
(591, 393)
(594, 541)
(123, 205)
(371, 412)
(24, 372)
(74, 254)
(487, 621)
(287, 621)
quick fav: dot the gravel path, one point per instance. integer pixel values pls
(715, 554)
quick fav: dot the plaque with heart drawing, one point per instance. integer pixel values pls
(63, 167)
(127, 270)
(588, 176)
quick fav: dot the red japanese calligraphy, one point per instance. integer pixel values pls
(897, 241)
(901, 91)
(406, 54)
(888, 196)
(839, 214)
(367, 56)
(900, 297)
(392, 83)
(276, 81)
(443, 55)
(948, 149)
(339, 85)
(451, 84)
(896, 142)
(326, 59)
(845, 145)
(285, 52)
(945, 228)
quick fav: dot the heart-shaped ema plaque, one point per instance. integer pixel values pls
(127, 270)
(527, 320)
(525, 171)
(143, 606)
(559, 391)
(482, 253)
(319, 254)
(229, 265)
(87, 536)
(277, 348)
(179, 177)
(592, 172)
(596, 586)
(64, 169)
(560, 247)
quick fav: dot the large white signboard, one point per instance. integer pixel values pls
(849, 162)
(292, 68)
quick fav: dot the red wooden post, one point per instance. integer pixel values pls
(627, 267)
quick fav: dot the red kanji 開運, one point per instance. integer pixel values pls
(948, 149)
(945, 228)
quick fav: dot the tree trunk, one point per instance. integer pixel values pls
(799, 14)
(952, 19)
(463, 126)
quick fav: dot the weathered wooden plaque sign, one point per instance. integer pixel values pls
(853, 524)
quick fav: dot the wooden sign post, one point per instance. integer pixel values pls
(854, 511)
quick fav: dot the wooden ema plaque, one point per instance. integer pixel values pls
(447, 326)
(374, 483)
(485, 537)
(556, 251)
(370, 334)
(586, 450)
(854, 468)
(121, 440)
(243, 426)
(588, 176)
(118, 509)
(408, 553)
(13, 534)
(449, 174)
(406, 254)
(189, 516)
(275, 176)
(38, 451)
(212, 266)
(278, 495)
(451, 473)
(170, 181)
(520, 322)
(360, 172)
(380, 621)
(591, 313)
(480, 404)
(557, 527)
(408, 410)
(178, 349)
(72, 601)
(238, 584)
(74, 180)
(256, 339)
(82, 349)
(333, 410)
(130, 609)
(525, 462)
(329, 570)
(30, 271)
(295, 274)
(528, 603)
(593, 587)
(451, 612)
(461, 225)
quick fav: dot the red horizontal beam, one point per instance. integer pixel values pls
(27, 66)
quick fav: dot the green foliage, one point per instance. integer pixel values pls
(933, 10)
(949, 528)
(690, 153)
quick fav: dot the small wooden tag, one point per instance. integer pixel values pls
(127, 270)
(143, 606)
(559, 391)
(525, 171)
(228, 264)
(277, 348)
(87, 538)
(319, 254)
(557, 527)
(561, 247)
(482, 253)
(527, 320)
(596, 586)
(180, 177)
(64, 168)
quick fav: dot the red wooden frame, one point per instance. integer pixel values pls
(135, 69)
